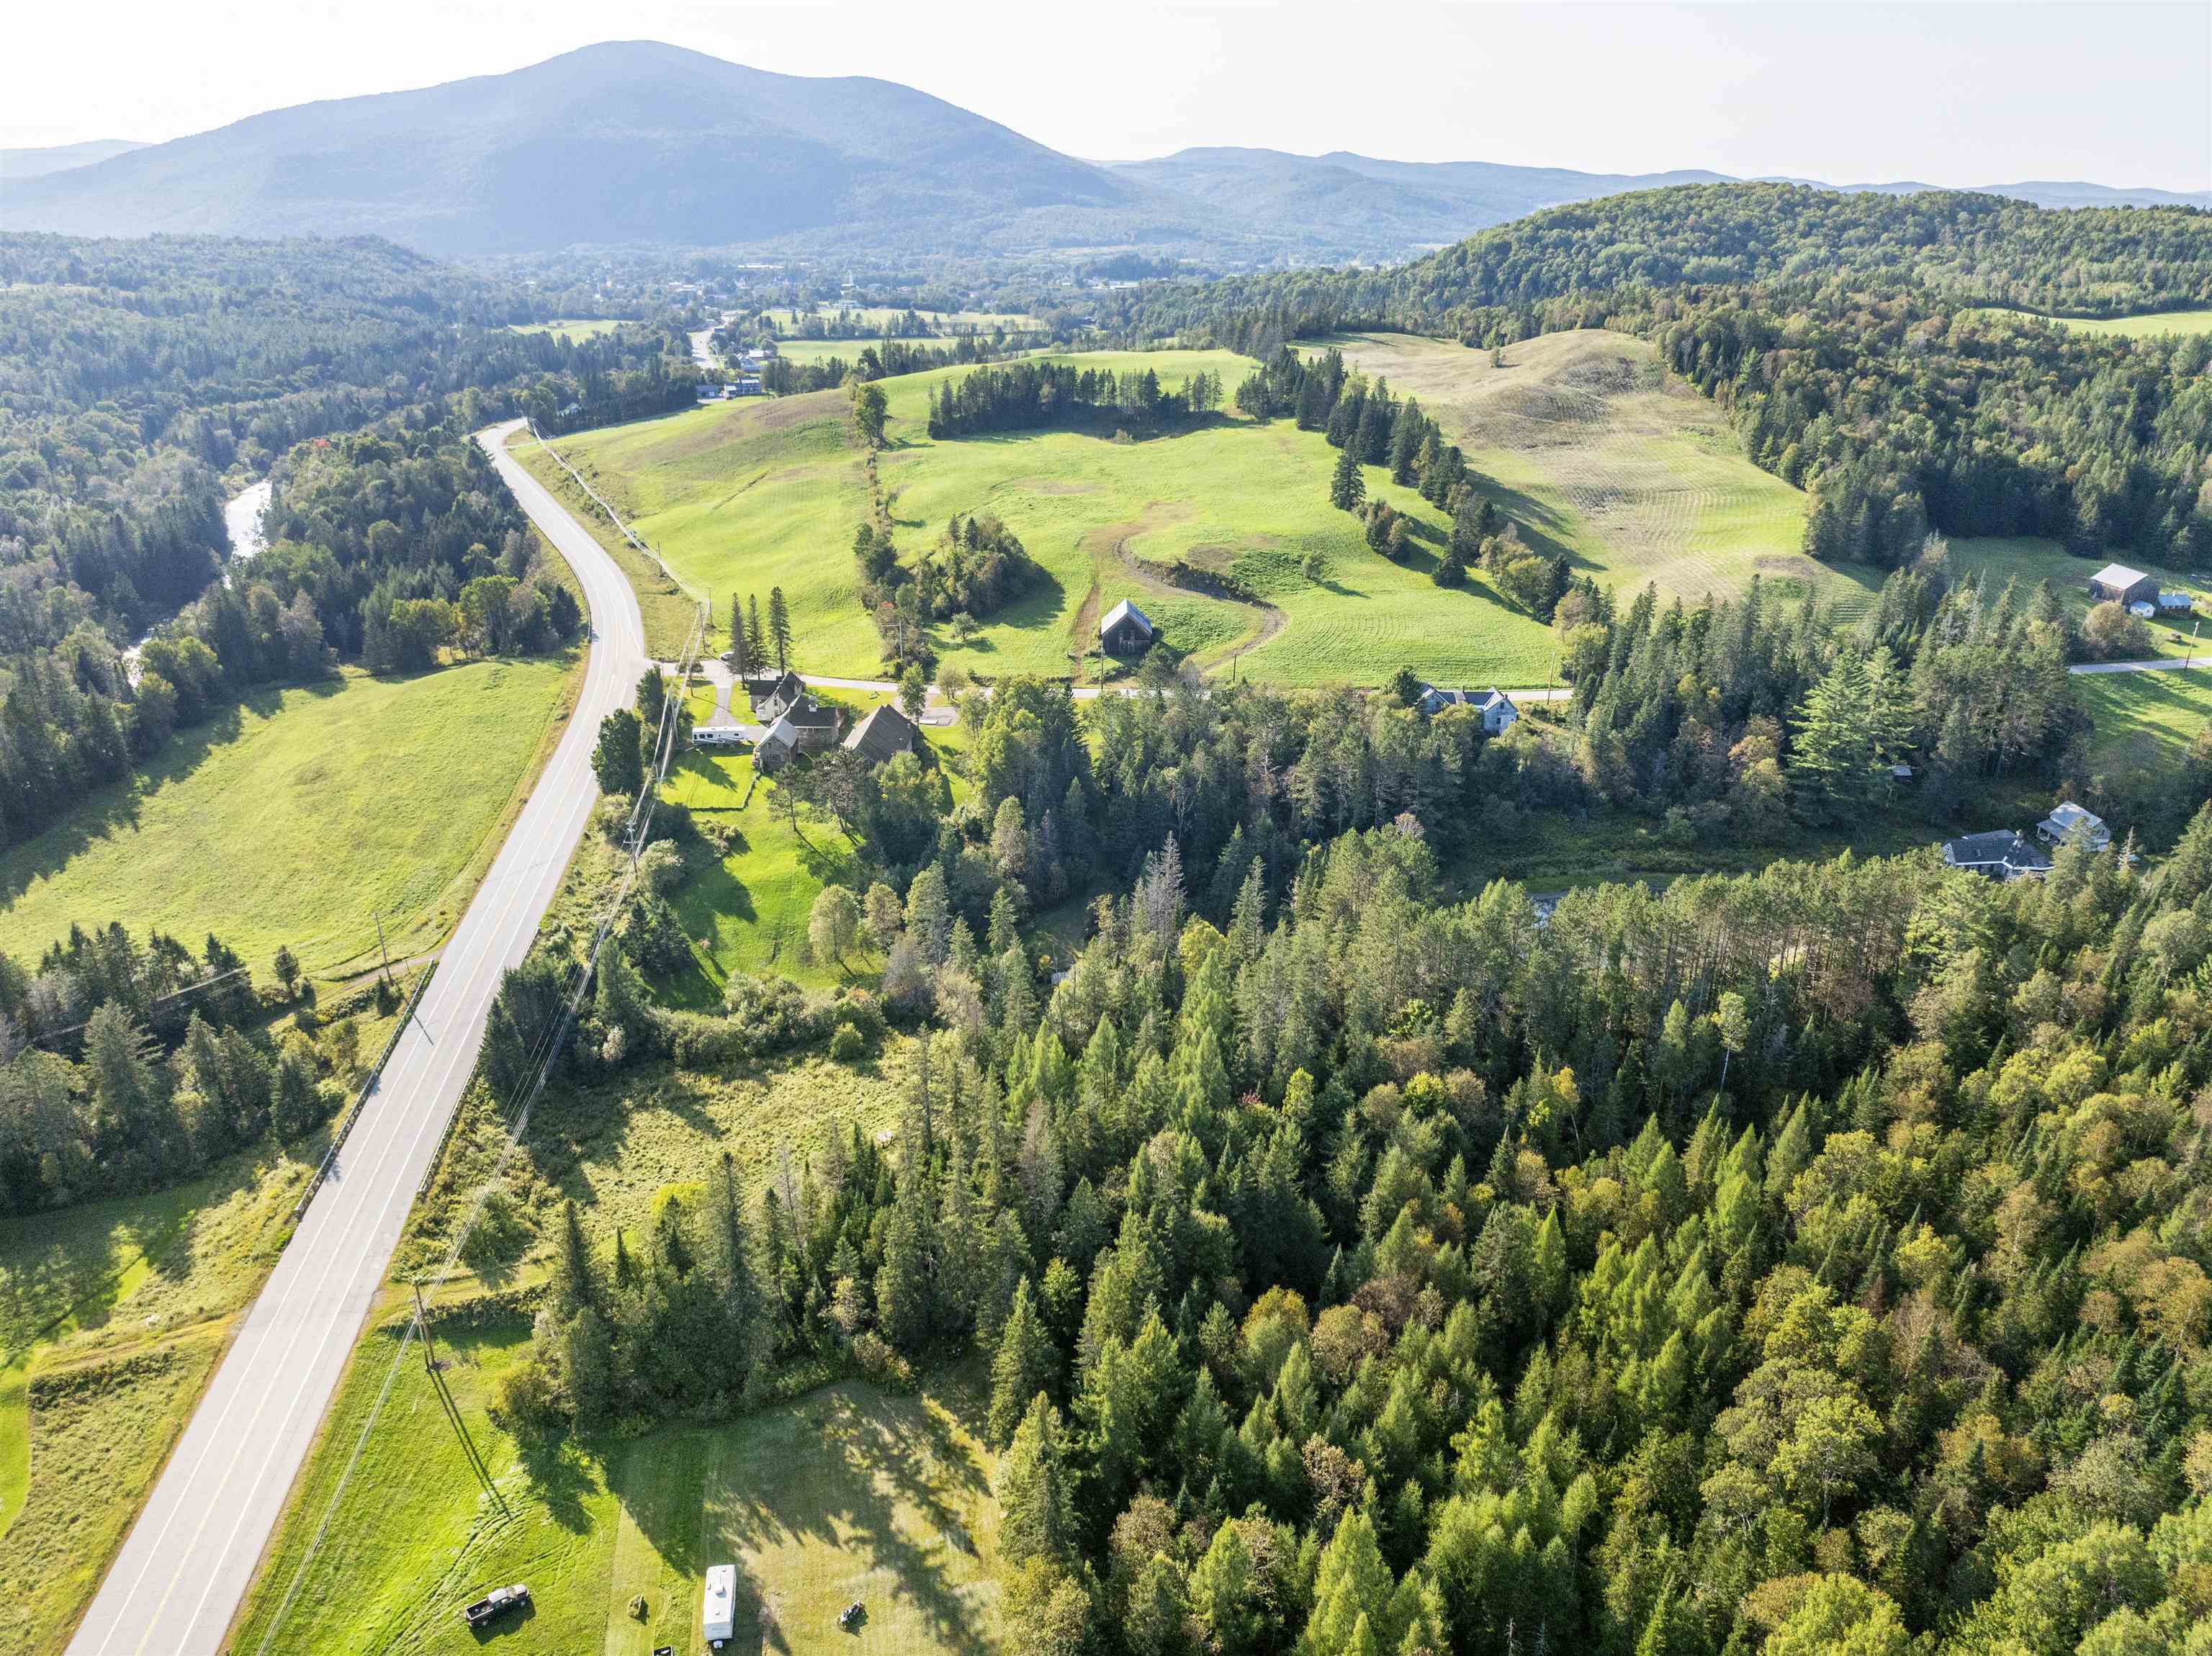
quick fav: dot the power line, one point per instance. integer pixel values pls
(520, 1103)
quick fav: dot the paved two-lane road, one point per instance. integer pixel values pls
(185, 1569)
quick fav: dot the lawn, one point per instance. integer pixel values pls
(2143, 724)
(743, 498)
(112, 1317)
(295, 816)
(1591, 451)
(748, 912)
(2126, 327)
(2031, 561)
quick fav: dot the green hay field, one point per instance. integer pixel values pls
(2143, 724)
(742, 498)
(290, 819)
(576, 328)
(2127, 327)
(1591, 451)
(117, 1311)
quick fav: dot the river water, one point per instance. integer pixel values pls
(242, 523)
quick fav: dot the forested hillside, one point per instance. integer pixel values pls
(141, 382)
(1836, 330)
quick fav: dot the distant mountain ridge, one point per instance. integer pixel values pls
(642, 142)
(61, 157)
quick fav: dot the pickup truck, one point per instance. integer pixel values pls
(495, 1604)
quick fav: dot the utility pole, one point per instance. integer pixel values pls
(380, 952)
(422, 1321)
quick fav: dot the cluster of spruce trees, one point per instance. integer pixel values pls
(127, 1066)
(1027, 396)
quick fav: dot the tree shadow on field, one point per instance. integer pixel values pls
(562, 1475)
(1540, 524)
(833, 1471)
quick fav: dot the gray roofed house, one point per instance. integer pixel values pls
(2069, 818)
(787, 693)
(2000, 854)
(2117, 584)
(883, 735)
(777, 747)
(1126, 630)
(1496, 707)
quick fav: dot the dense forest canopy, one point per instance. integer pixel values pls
(1795, 1263)
(1840, 333)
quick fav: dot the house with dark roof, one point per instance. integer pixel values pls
(2117, 584)
(2000, 854)
(1496, 707)
(781, 697)
(883, 735)
(1126, 630)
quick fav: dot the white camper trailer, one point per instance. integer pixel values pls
(717, 1610)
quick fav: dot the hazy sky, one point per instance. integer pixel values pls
(1951, 94)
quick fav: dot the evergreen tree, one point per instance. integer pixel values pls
(1036, 1502)
(1347, 489)
(779, 627)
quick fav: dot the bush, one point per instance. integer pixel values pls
(847, 1045)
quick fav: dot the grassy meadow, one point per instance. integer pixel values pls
(576, 328)
(2151, 326)
(289, 818)
(112, 1315)
(2142, 724)
(743, 497)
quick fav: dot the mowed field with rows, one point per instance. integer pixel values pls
(1593, 451)
(1579, 443)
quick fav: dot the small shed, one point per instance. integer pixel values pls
(1126, 631)
(2175, 602)
(2117, 584)
(883, 735)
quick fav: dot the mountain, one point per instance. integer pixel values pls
(635, 142)
(1342, 204)
(18, 164)
(624, 142)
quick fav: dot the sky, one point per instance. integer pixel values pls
(1956, 93)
